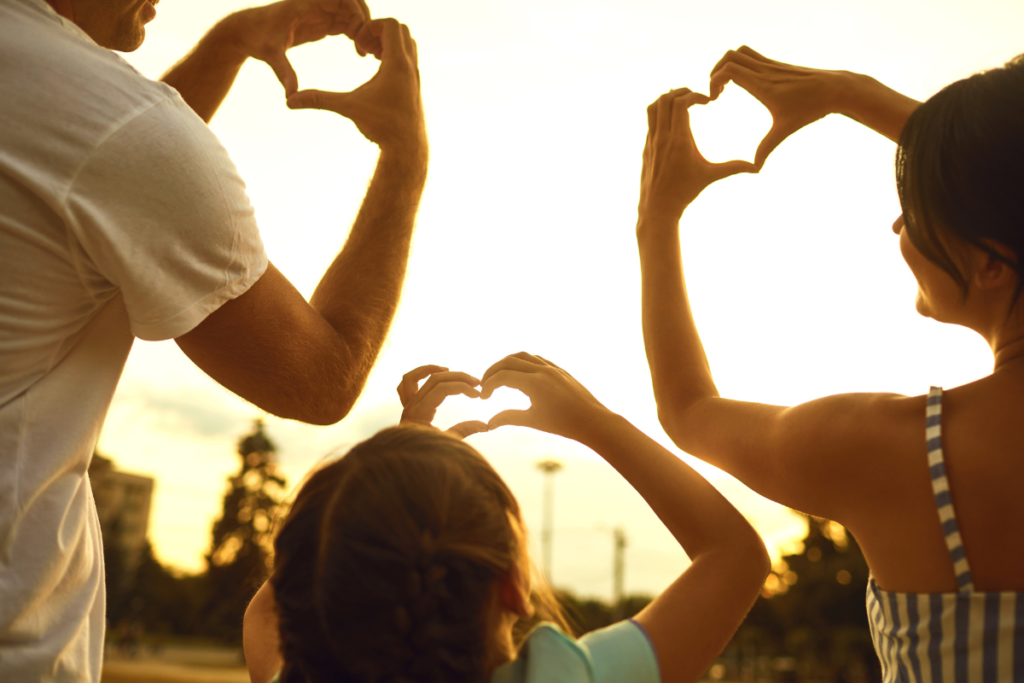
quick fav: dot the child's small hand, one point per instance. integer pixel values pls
(559, 404)
(421, 403)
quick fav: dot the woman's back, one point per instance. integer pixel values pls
(898, 523)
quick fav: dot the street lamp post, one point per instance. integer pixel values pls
(548, 467)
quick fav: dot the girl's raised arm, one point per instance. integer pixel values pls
(694, 619)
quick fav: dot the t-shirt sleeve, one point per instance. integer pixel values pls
(622, 653)
(160, 212)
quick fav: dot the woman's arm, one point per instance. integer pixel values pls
(260, 640)
(817, 457)
(798, 95)
(694, 619)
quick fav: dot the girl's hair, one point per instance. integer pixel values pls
(386, 564)
(960, 171)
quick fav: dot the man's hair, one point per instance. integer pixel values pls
(386, 564)
(960, 171)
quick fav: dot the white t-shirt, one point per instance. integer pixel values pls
(121, 216)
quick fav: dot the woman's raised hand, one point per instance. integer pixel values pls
(794, 95)
(674, 170)
(559, 404)
(420, 403)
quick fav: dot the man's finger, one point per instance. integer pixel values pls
(367, 40)
(338, 102)
(663, 126)
(285, 73)
(392, 42)
(410, 383)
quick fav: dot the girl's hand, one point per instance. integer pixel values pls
(794, 95)
(674, 170)
(559, 404)
(421, 403)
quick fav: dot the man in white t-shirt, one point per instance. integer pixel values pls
(121, 216)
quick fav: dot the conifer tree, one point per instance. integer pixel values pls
(240, 554)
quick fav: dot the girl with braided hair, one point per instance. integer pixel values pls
(405, 560)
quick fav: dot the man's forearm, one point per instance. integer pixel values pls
(204, 76)
(867, 101)
(359, 293)
(679, 367)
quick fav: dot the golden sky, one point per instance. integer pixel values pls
(525, 239)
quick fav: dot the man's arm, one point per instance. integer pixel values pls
(204, 76)
(309, 361)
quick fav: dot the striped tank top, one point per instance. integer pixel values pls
(964, 637)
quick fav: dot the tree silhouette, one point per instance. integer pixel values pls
(242, 547)
(812, 610)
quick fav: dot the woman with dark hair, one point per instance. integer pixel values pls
(405, 560)
(929, 485)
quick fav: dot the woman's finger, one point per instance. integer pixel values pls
(410, 383)
(740, 75)
(773, 139)
(742, 56)
(728, 168)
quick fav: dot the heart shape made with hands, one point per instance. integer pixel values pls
(458, 409)
(331, 64)
(730, 127)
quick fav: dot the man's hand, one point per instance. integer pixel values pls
(674, 170)
(421, 403)
(268, 32)
(387, 108)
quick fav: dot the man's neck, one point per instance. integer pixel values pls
(63, 8)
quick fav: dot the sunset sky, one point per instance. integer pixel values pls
(525, 239)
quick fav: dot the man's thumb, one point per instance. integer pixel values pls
(319, 99)
(284, 72)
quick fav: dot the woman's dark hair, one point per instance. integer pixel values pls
(385, 567)
(960, 171)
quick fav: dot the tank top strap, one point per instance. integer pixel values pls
(940, 487)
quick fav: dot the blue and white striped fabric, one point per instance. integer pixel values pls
(964, 637)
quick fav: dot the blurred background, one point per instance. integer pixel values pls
(536, 116)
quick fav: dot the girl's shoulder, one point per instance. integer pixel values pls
(619, 653)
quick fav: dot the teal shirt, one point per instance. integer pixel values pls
(620, 653)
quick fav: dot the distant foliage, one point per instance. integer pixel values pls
(240, 555)
(810, 622)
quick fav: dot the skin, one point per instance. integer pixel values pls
(702, 608)
(296, 359)
(859, 459)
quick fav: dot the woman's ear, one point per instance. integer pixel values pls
(990, 272)
(514, 593)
